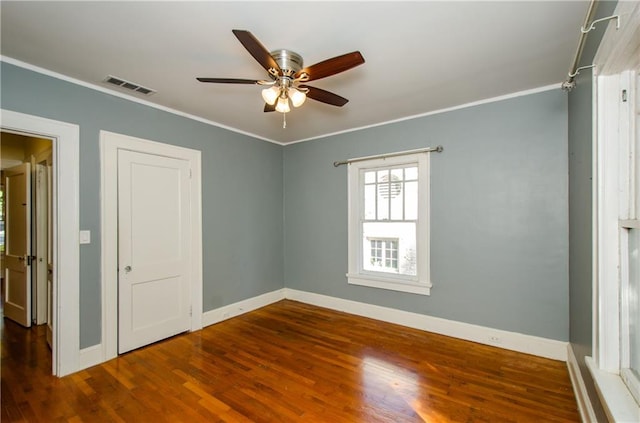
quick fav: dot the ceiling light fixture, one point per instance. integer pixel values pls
(284, 89)
(279, 95)
(288, 78)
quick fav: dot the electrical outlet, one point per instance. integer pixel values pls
(495, 339)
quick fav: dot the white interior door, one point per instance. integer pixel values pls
(154, 295)
(17, 295)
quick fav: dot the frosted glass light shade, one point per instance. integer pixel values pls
(283, 105)
(297, 97)
(270, 95)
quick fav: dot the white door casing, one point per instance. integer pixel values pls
(154, 248)
(17, 294)
(110, 145)
(66, 250)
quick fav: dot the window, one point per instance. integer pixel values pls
(630, 309)
(615, 366)
(629, 216)
(389, 223)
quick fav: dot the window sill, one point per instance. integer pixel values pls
(616, 398)
(390, 284)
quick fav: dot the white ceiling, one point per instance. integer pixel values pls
(420, 56)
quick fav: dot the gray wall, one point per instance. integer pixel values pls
(580, 210)
(241, 190)
(499, 205)
(499, 243)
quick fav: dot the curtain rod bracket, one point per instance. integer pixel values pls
(568, 85)
(593, 24)
(573, 75)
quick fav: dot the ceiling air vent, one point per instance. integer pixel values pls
(132, 86)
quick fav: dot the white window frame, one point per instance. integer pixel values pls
(614, 209)
(418, 284)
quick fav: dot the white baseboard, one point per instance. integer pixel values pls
(90, 357)
(543, 347)
(587, 415)
(232, 310)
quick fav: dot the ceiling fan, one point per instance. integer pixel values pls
(287, 76)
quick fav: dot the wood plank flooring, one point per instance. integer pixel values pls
(289, 362)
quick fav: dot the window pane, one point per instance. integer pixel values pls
(395, 250)
(411, 200)
(369, 177)
(633, 309)
(397, 174)
(370, 202)
(383, 203)
(383, 175)
(397, 204)
(411, 173)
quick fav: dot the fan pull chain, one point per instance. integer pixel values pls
(284, 121)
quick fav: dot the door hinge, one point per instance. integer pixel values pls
(624, 96)
(30, 260)
(190, 311)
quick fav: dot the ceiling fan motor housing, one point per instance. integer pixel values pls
(290, 62)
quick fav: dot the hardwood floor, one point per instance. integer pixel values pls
(289, 362)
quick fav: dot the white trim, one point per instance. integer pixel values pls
(606, 217)
(389, 283)
(587, 415)
(616, 398)
(105, 90)
(543, 347)
(241, 307)
(129, 97)
(437, 112)
(66, 218)
(110, 143)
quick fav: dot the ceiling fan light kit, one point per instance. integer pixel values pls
(288, 75)
(285, 86)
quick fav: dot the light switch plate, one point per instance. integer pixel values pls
(85, 237)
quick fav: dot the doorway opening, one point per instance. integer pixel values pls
(65, 350)
(26, 241)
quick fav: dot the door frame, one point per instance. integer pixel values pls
(65, 138)
(110, 143)
(39, 219)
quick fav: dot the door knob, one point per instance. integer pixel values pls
(127, 269)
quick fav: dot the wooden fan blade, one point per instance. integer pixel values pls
(269, 107)
(333, 66)
(228, 80)
(256, 49)
(325, 96)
